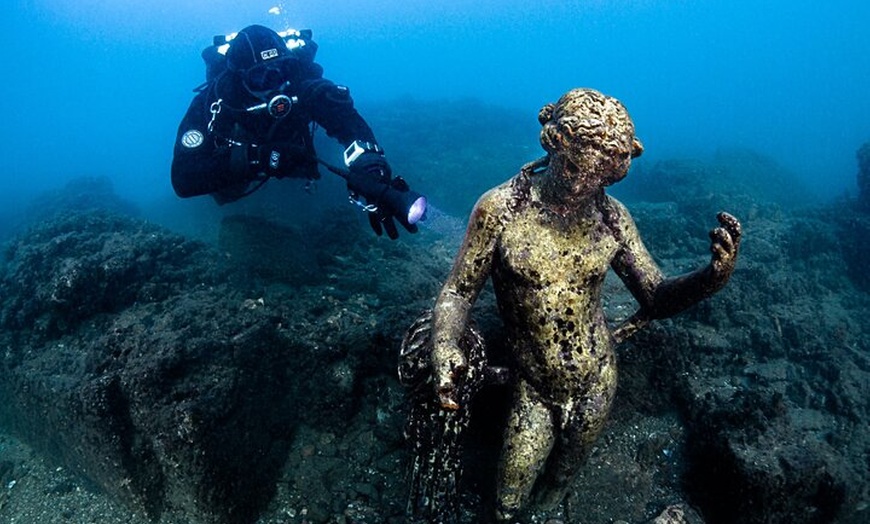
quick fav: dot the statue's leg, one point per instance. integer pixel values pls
(579, 424)
(528, 440)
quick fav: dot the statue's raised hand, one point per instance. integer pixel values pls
(725, 243)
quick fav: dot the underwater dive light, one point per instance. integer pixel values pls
(394, 197)
(417, 210)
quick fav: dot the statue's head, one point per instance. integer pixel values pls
(590, 135)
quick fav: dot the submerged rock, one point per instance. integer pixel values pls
(75, 266)
(129, 357)
(773, 387)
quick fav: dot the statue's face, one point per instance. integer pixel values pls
(590, 138)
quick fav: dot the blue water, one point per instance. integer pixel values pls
(97, 87)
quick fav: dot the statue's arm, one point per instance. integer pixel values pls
(470, 272)
(661, 297)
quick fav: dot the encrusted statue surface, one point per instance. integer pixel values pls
(547, 238)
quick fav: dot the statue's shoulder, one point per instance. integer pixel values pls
(494, 199)
(510, 197)
(618, 218)
(493, 209)
(616, 207)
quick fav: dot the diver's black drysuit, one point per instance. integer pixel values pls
(224, 140)
(255, 117)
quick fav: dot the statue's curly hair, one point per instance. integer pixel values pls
(591, 129)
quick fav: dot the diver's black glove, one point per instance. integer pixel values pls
(370, 177)
(371, 165)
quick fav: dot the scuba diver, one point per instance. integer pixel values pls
(254, 119)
